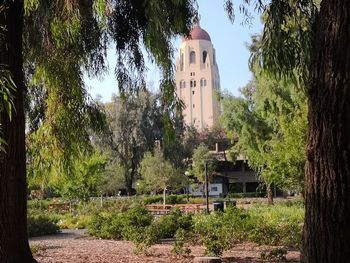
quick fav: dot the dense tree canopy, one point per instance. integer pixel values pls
(311, 45)
(135, 122)
(158, 174)
(63, 39)
(202, 157)
(270, 123)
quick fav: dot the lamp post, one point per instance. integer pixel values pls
(187, 174)
(206, 187)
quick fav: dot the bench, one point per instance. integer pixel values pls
(159, 209)
(59, 207)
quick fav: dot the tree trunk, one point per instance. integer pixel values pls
(327, 194)
(269, 190)
(14, 245)
(164, 197)
(128, 183)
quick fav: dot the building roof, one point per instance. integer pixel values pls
(198, 33)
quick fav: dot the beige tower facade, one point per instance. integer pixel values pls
(198, 80)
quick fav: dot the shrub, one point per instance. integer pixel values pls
(211, 232)
(71, 221)
(114, 225)
(170, 199)
(169, 224)
(109, 205)
(180, 248)
(174, 199)
(39, 225)
(268, 225)
(38, 204)
(106, 225)
(153, 199)
(276, 225)
(36, 248)
(246, 195)
(142, 237)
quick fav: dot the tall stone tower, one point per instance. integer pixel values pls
(197, 79)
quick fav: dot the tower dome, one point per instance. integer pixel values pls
(198, 33)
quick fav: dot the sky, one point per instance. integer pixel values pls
(229, 41)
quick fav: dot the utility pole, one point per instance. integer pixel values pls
(206, 188)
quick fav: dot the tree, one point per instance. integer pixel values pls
(326, 230)
(14, 245)
(270, 123)
(52, 29)
(175, 150)
(112, 180)
(201, 157)
(157, 174)
(318, 49)
(85, 177)
(133, 132)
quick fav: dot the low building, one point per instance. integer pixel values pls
(230, 177)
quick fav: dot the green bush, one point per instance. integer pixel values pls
(37, 248)
(246, 195)
(153, 199)
(210, 230)
(114, 225)
(38, 204)
(71, 221)
(39, 225)
(170, 199)
(269, 225)
(106, 225)
(143, 236)
(174, 199)
(277, 225)
(169, 224)
(135, 224)
(180, 248)
(110, 205)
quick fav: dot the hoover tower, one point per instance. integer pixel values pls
(197, 79)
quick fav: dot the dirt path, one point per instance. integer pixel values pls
(73, 246)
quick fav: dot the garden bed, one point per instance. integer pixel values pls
(90, 250)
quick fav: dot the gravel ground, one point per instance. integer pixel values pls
(73, 246)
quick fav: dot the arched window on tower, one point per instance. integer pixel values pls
(203, 82)
(192, 83)
(192, 57)
(181, 61)
(182, 84)
(204, 56)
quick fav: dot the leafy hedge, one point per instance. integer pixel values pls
(40, 224)
(170, 199)
(246, 195)
(117, 225)
(269, 225)
(138, 226)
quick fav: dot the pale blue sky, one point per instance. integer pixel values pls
(228, 39)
